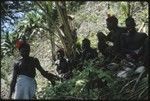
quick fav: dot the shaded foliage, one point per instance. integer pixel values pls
(8, 44)
(113, 88)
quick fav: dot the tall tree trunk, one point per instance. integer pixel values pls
(52, 40)
(67, 40)
(47, 10)
(52, 36)
(129, 7)
(65, 36)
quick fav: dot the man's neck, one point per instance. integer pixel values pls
(132, 32)
(115, 28)
(27, 57)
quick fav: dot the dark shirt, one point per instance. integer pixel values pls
(27, 66)
(89, 54)
(132, 41)
(133, 44)
(62, 66)
(114, 36)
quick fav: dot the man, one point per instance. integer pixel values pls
(132, 42)
(113, 36)
(102, 46)
(61, 62)
(75, 61)
(87, 51)
(63, 65)
(23, 84)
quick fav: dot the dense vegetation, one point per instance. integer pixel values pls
(40, 24)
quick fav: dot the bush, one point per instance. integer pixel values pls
(76, 87)
(6, 70)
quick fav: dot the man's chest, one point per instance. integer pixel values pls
(26, 64)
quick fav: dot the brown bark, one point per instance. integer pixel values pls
(67, 40)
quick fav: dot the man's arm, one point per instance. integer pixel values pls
(51, 77)
(108, 37)
(13, 82)
(58, 69)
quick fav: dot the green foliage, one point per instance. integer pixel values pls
(8, 44)
(74, 6)
(6, 68)
(77, 86)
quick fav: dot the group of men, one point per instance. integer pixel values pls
(127, 43)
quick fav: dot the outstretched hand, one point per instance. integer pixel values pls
(51, 77)
(54, 77)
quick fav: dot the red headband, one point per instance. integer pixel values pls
(19, 43)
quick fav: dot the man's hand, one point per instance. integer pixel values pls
(51, 76)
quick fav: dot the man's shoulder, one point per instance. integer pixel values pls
(142, 35)
(34, 59)
(93, 50)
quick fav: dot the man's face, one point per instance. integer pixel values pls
(59, 55)
(85, 45)
(110, 26)
(129, 26)
(24, 52)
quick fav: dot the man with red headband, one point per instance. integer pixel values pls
(23, 83)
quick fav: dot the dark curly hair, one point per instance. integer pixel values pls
(25, 45)
(130, 22)
(61, 51)
(86, 43)
(112, 19)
